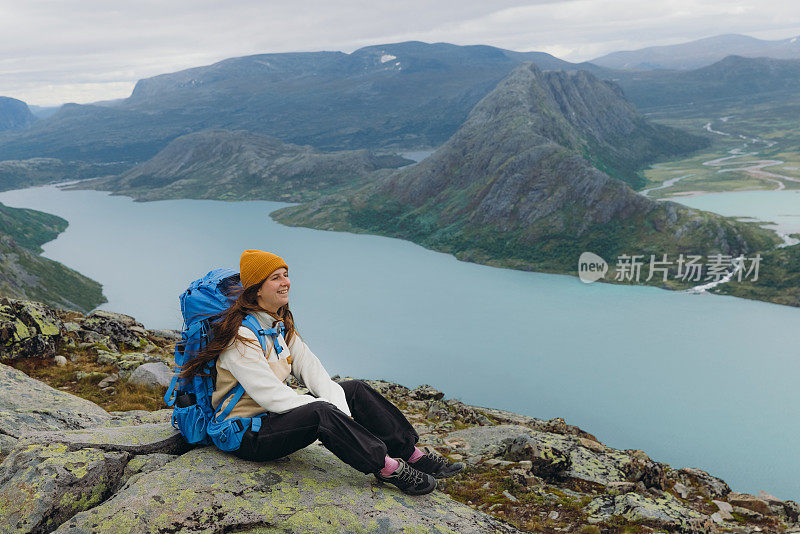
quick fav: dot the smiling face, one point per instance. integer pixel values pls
(274, 291)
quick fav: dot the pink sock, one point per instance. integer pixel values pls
(416, 455)
(390, 466)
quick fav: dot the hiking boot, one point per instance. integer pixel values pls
(409, 480)
(436, 465)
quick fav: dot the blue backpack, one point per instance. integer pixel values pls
(203, 303)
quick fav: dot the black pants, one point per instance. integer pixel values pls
(377, 429)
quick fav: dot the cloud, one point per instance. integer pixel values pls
(52, 51)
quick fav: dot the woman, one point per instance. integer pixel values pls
(351, 419)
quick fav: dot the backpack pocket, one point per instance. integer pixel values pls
(192, 422)
(227, 435)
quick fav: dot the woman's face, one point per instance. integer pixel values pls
(274, 292)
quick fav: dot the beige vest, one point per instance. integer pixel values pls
(246, 407)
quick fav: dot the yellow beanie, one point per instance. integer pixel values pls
(256, 265)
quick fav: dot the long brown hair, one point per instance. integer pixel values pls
(225, 328)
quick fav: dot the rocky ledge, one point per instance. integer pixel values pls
(71, 465)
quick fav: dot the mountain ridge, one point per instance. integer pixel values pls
(14, 114)
(699, 53)
(239, 165)
(515, 186)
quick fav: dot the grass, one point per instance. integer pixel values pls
(125, 396)
(777, 122)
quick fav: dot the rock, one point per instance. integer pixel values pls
(27, 329)
(546, 460)
(60, 360)
(466, 414)
(426, 392)
(140, 417)
(129, 361)
(172, 336)
(152, 375)
(311, 492)
(556, 426)
(725, 510)
(136, 439)
(93, 375)
(664, 512)
(640, 467)
(592, 444)
(509, 496)
(99, 341)
(437, 412)
(27, 405)
(709, 486)
(145, 463)
(122, 329)
(748, 514)
(618, 488)
(107, 381)
(586, 464)
(42, 485)
(769, 498)
(681, 490)
(750, 502)
(553, 515)
(70, 326)
(108, 358)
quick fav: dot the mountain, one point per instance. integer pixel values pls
(14, 114)
(26, 275)
(700, 53)
(16, 174)
(238, 165)
(732, 77)
(518, 185)
(404, 95)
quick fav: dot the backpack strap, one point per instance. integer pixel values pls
(261, 333)
(236, 393)
(253, 324)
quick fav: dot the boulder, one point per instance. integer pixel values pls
(28, 329)
(311, 491)
(426, 392)
(172, 336)
(140, 417)
(43, 485)
(546, 461)
(708, 485)
(585, 464)
(27, 405)
(122, 329)
(127, 362)
(145, 438)
(750, 502)
(437, 412)
(100, 342)
(663, 512)
(640, 467)
(153, 374)
(145, 463)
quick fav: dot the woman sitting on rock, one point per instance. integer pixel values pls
(351, 419)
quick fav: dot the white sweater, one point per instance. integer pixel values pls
(246, 364)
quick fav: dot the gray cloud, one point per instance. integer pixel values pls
(52, 51)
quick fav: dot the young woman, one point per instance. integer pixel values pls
(351, 419)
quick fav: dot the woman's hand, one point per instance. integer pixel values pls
(282, 368)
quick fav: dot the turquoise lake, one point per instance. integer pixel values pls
(694, 380)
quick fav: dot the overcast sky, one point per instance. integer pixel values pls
(55, 51)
